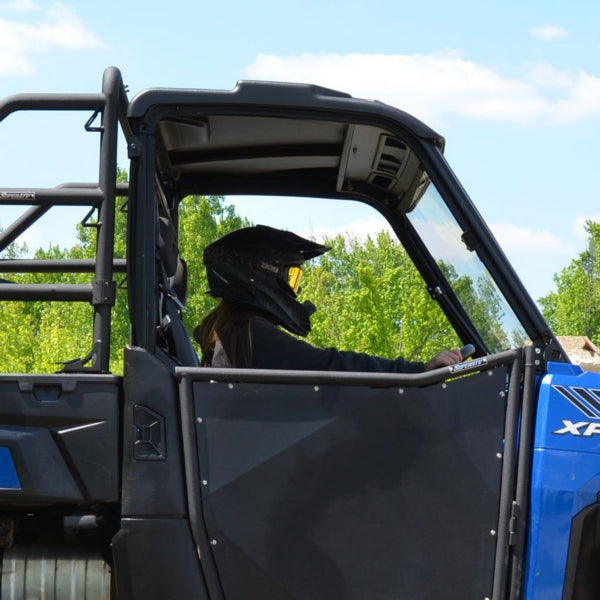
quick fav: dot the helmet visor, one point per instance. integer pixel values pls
(294, 278)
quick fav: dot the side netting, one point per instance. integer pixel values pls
(349, 491)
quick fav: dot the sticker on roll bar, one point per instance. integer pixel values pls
(469, 365)
(17, 196)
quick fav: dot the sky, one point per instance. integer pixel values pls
(513, 86)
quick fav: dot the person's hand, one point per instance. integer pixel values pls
(445, 358)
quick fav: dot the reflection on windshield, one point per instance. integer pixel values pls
(472, 283)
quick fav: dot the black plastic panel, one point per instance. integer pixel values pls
(155, 559)
(62, 434)
(153, 480)
(350, 492)
(582, 578)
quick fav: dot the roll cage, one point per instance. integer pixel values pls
(261, 139)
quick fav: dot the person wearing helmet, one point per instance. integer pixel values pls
(256, 272)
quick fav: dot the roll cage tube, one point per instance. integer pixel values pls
(111, 104)
(142, 241)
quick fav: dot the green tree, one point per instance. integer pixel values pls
(202, 219)
(52, 332)
(370, 298)
(481, 302)
(42, 334)
(574, 308)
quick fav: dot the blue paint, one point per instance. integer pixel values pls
(8, 472)
(566, 473)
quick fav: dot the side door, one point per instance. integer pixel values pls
(347, 485)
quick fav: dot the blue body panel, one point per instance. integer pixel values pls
(8, 472)
(566, 472)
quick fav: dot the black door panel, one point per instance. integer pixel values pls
(336, 491)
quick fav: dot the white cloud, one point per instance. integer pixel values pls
(579, 223)
(57, 27)
(536, 254)
(514, 238)
(432, 86)
(19, 6)
(582, 99)
(547, 76)
(548, 32)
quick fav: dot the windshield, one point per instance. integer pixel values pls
(466, 274)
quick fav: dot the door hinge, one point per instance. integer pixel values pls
(514, 523)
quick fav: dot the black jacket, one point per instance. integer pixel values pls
(273, 348)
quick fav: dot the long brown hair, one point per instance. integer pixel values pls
(229, 323)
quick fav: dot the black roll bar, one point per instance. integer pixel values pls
(112, 105)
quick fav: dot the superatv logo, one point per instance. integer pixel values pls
(587, 401)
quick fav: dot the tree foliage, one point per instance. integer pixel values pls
(42, 335)
(370, 298)
(574, 308)
(202, 219)
(49, 333)
(481, 302)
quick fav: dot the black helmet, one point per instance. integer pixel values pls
(258, 267)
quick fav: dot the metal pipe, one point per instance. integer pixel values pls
(507, 488)
(122, 188)
(51, 197)
(46, 291)
(112, 89)
(344, 377)
(525, 455)
(59, 265)
(20, 225)
(50, 102)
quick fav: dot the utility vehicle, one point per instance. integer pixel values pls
(174, 481)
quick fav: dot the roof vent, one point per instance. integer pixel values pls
(390, 156)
